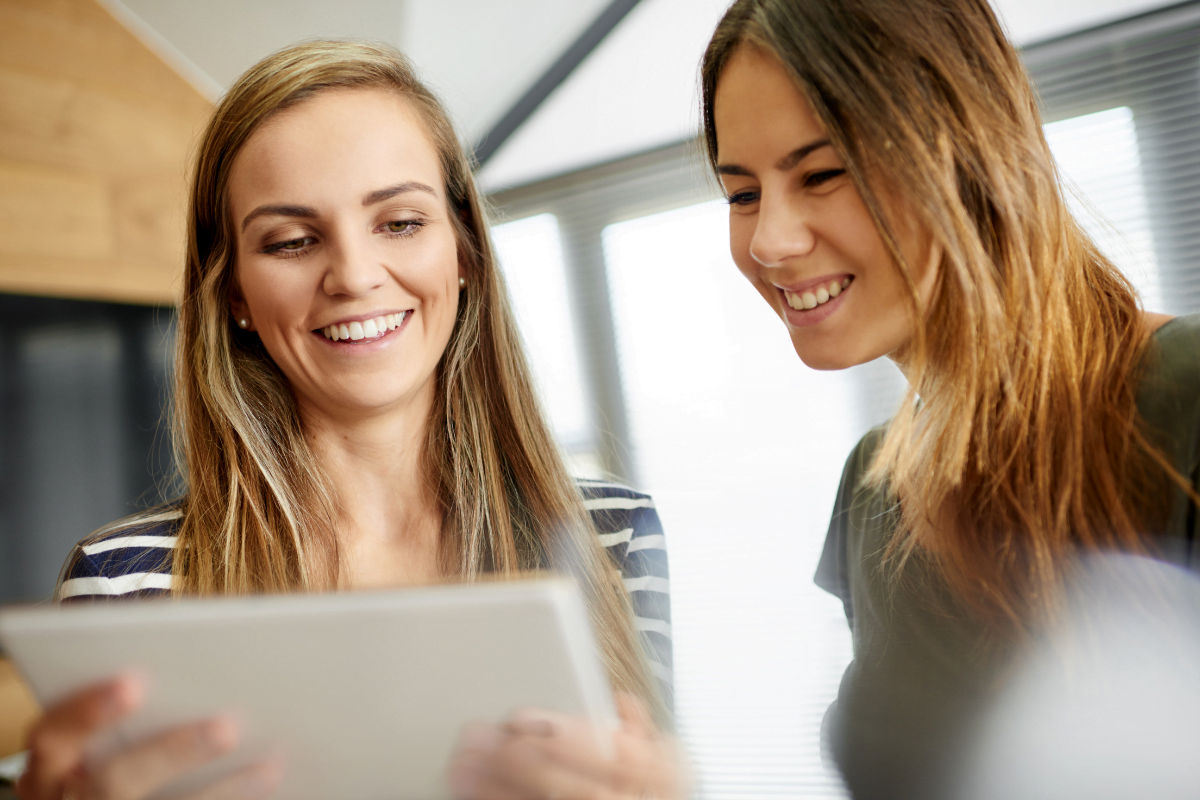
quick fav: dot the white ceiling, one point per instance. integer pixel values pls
(635, 92)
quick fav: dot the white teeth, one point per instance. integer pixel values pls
(804, 301)
(367, 329)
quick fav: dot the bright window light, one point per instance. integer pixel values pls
(1102, 170)
(530, 255)
(742, 447)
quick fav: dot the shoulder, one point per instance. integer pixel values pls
(129, 558)
(624, 518)
(629, 530)
(1176, 350)
(859, 461)
(1169, 393)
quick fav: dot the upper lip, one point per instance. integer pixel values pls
(800, 286)
(362, 317)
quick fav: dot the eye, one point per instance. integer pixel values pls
(402, 227)
(290, 248)
(742, 198)
(824, 176)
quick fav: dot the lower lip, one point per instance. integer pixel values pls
(810, 317)
(365, 345)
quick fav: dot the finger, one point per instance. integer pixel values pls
(253, 782)
(526, 770)
(149, 765)
(473, 775)
(640, 763)
(57, 741)
(575, 743)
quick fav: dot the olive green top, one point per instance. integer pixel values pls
(923, 668)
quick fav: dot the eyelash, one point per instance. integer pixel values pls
(277, 248)
(811, 182)
(818, 178)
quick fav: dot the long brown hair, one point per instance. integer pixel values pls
(258, 514)
(1026, 443)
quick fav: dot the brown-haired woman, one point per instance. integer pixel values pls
(354, 410)
(891, 193)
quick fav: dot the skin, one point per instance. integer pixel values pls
(364, 406)
(796, 217)
(324, 236)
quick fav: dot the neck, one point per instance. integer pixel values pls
(389, 521)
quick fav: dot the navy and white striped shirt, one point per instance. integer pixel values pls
(135, 561)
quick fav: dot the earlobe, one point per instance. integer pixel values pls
(239, 310)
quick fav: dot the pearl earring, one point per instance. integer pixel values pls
(243, 323)
(462, 282)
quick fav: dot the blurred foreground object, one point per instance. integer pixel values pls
(1107, 705)
(18, 709)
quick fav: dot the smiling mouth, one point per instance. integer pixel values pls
(816, 296)
(367, 330)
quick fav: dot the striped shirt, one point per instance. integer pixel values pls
(135, 561)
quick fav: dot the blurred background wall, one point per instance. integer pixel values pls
(658, 363)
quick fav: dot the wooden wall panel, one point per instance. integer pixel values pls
(96, 134)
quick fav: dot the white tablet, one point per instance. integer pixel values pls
(364, 693)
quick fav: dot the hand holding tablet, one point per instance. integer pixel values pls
(360, 695)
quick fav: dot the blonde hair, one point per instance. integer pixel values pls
(258, 514)
(1026, 358)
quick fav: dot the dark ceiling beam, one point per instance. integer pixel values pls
(552, 78)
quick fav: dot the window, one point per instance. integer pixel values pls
(530, 254)
(1098, 156)
(741, 446)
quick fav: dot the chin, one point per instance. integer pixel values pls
(830, 356)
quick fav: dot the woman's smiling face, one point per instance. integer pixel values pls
(798, 229)
(347, 262)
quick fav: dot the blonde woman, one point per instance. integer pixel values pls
(354, 410)
(892, 194)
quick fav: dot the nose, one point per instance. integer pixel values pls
(782, 231)
(351, 269)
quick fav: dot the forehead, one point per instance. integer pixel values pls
(340, 143)
(758, 111)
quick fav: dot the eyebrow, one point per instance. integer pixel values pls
(279, 211)
(783, 165)
(377, 196)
